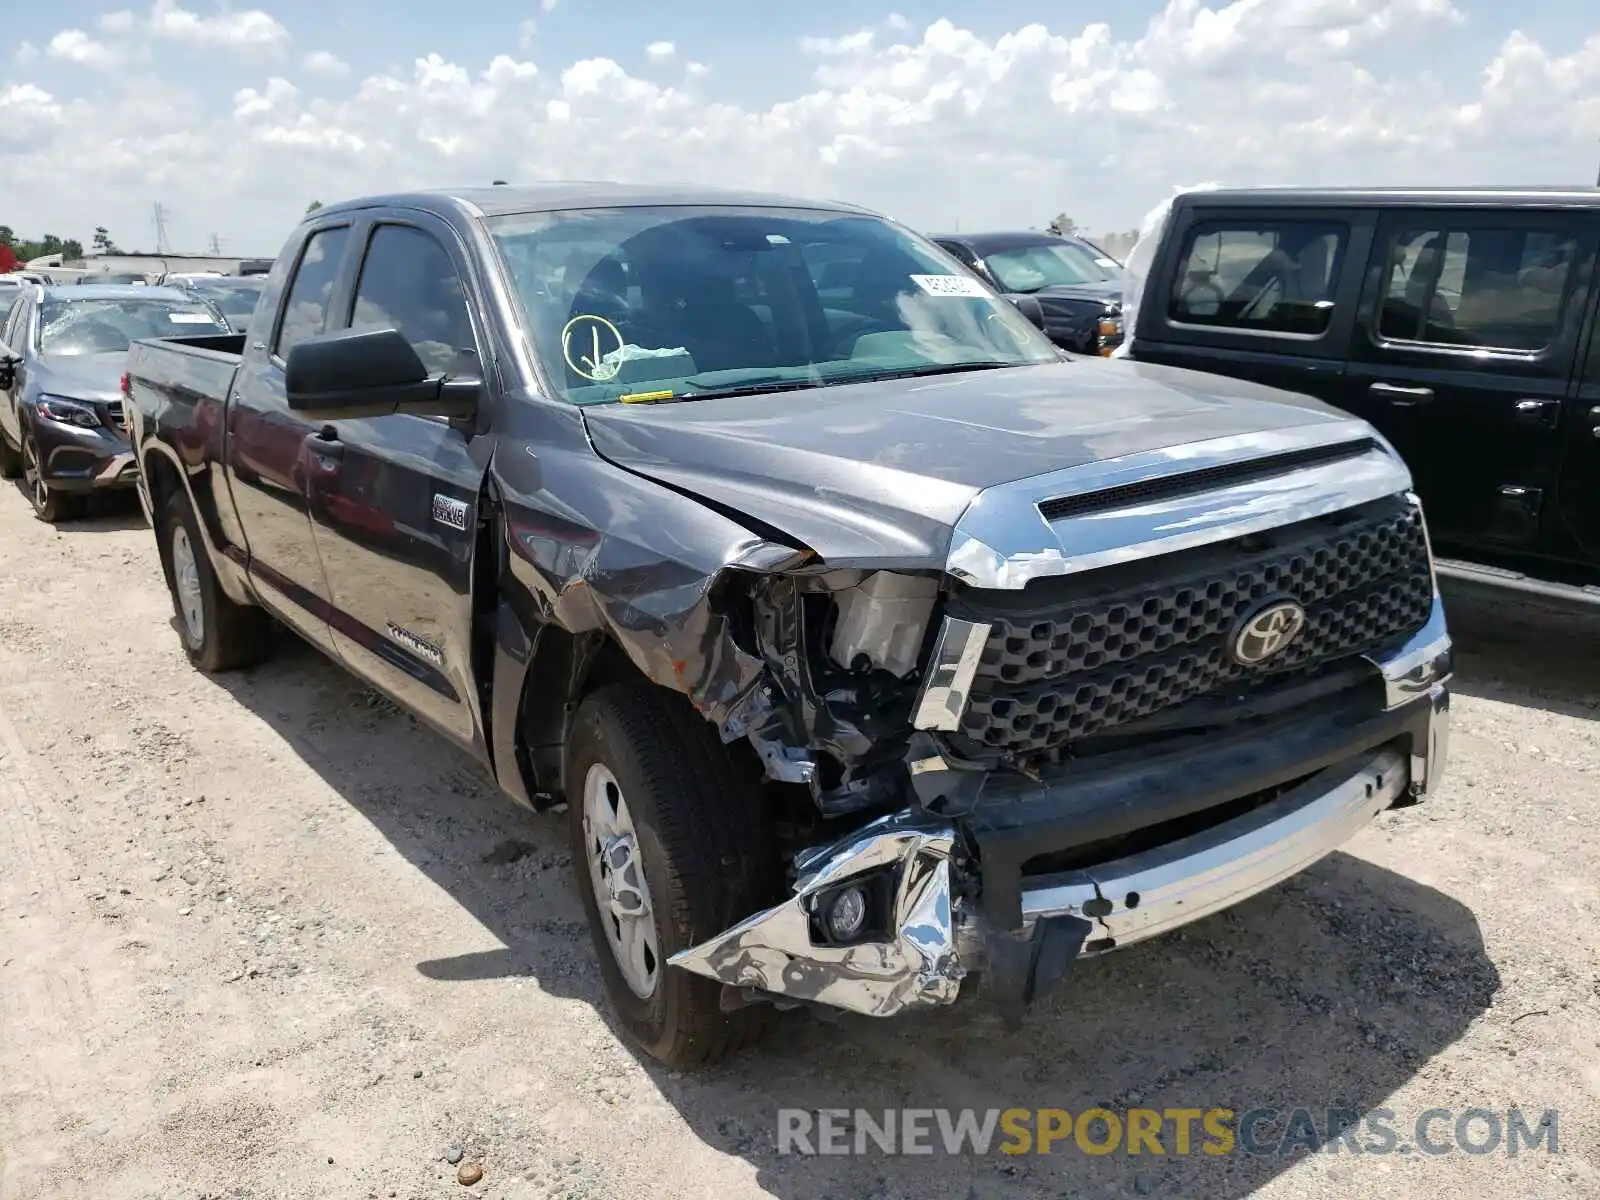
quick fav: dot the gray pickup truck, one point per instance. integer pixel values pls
(880, 652)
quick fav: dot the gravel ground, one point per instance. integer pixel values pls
(262, 936)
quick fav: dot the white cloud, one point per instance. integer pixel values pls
(249, 32)
(934, 124)
(527, 33)
(77, 47)
(320, 62)
(548, 5)
(24, 54)
(660, 51)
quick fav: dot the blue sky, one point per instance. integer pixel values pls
(970, 119)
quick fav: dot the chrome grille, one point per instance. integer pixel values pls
(1067, 658)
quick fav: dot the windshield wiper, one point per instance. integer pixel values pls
(752, 389)
(933, 369)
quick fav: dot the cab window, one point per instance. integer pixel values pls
(1479, 287)
(306, 313)
(1275, 277)
(408, 283)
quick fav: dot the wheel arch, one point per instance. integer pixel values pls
(165, 476)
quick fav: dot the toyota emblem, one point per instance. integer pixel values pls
(1268, 632)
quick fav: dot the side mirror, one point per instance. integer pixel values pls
(1030, 307)
(369, 373)
(8, 367)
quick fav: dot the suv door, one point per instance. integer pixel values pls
(394, 499)
(268, 456)
(1462, 356)
(14, 338)
(1264, 293)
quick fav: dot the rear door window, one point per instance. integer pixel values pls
(1275, 277)
(306, 313)
(1478, 286)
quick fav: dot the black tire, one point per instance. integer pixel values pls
(10, 459)
(707, 853)
(230, 636)
(49, 504)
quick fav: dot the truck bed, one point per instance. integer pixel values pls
(178, 389)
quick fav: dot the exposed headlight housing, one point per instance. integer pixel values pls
(1108, 332)
(67, 412)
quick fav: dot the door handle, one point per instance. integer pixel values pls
(1402, 397)
(325, 443)
(1539, 414)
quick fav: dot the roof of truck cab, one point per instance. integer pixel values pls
(1007, 239)
(507, 200)
(1355, 197)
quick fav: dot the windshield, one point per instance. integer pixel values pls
(236, 299)
(655, 304)
(108, 326)
(1050, 264)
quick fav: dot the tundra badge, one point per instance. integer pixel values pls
(447, 510)
(417, 646)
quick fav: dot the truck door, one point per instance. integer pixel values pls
(394, 500)
(1462, 354)
(1580, 470)
(268, 455)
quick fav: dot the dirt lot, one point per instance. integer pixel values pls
(255, 942)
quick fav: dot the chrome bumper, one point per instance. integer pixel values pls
(933, 939)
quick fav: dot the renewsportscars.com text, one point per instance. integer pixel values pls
(1163, 1131)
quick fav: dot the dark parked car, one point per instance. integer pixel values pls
(1078, 285)
(62, 353)
(234, 295)
(1460, 323)
(878, 647)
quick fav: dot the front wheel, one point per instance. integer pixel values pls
(49, 505)
(217, 634)
(670, 846)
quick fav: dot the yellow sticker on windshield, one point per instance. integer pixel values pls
(646, 397)
(587, 341)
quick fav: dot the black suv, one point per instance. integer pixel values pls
(1459, 322)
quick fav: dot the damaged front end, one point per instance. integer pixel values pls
(1068, 770)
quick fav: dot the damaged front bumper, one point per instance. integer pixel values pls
(953, 897)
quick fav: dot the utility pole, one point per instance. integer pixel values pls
(160, 214)
(216, 246)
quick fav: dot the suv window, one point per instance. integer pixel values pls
(1481, 287)
(306, 314)
(409, 283)
(1260, 276)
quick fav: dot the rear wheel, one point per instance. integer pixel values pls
(217, 634)
(670, 847)
(48, 503)
(10, 458)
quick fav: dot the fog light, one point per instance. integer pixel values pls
(847, 913)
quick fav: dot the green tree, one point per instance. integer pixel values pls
(313, 206)
(102, 241)
(8, 236)
(1062, 226)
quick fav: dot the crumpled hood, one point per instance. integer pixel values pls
(81, 376)
(879, 473)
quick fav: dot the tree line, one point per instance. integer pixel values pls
(21, 249)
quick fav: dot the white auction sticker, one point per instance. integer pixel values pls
(950, 285)
(190, 319)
